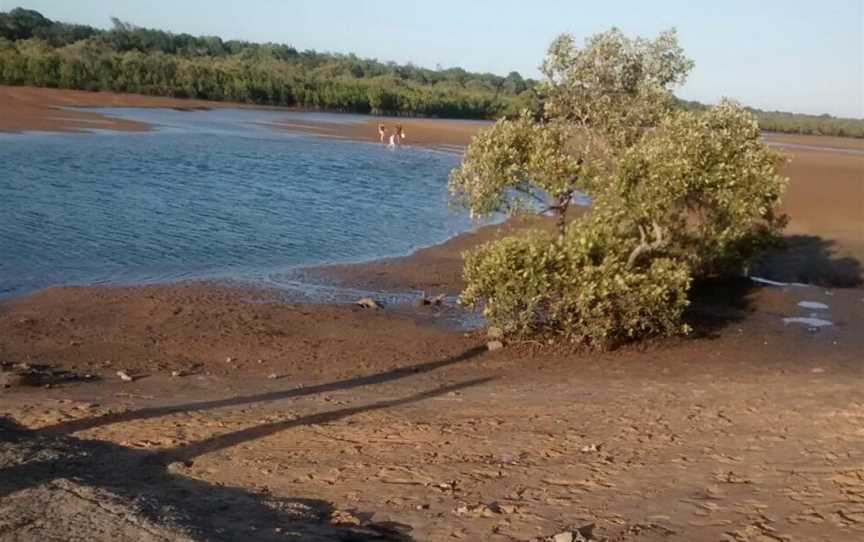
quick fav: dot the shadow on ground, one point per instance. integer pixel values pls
(715, 304)
(367, 380)
(147, 490)
(811, 260)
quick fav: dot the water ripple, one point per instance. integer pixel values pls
(209, 194)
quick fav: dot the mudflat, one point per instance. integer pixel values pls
(243, 417)
(249, 418)
(45, 109)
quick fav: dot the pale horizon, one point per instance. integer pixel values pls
(785, 56)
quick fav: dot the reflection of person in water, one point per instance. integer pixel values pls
(382, 132)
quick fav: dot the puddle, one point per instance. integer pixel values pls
(812, 305)
(808, 321)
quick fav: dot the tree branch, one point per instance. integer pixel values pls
(644, 246)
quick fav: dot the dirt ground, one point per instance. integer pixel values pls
(250, 418)
(357, 425)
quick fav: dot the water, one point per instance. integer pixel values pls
(209, 195)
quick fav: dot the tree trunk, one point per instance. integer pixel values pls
(561, 212)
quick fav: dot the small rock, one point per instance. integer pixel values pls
(494, 345)
(478, 511)
(124, 376)
(273, 376)
(817, 370)
(582, 534)
(439, 299)
(585, 532)
(495, 333)
(229, 360)
(368, 303)
(177, 374)
(344, 517)
(11, 380)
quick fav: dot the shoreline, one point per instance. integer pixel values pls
(316, 418)
(825, 199)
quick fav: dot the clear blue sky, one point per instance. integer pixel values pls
(795, 55)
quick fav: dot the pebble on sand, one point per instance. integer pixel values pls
(494, 345)
(368, 303)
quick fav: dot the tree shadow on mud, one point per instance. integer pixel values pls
(66, 428)
(810, 260)
(716, 304)
(151, 484)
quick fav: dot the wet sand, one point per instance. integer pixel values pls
(825, 205)
(333, 419)
(825, 199)
(443, 134)
(337, 422)
(39, 109)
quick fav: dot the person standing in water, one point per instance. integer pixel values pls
(382, 132)
(397, 136)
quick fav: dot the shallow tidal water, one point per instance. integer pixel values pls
(210, 195)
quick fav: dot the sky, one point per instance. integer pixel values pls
(792, 55)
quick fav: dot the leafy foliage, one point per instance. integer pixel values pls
(675, 196)
(797, 123)
(575, 287)
(705, 185)
(37, 51)
(516, 164)
(614, 84)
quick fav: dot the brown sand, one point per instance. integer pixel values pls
(825, 204)
(38, 109)
(375, 421)
(334, 422)
(423, 132)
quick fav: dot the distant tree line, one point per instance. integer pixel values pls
(35, 50)
(798, 123)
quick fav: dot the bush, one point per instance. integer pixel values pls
(675, 196)
(705, 184)
(574, 288)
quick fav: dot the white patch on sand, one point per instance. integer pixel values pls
(812, 305)
(808, 321)
(760, 280)
(770, 282)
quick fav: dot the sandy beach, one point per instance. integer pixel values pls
(247, 417)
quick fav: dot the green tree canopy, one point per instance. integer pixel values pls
(675, 195)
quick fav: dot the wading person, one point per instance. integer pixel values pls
(382, 132)
(397, 136)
